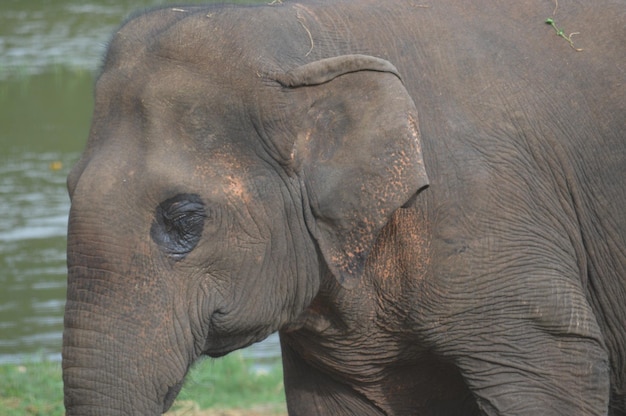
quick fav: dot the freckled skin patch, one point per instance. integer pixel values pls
(236, 188)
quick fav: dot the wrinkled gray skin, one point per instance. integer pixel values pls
(252, 170)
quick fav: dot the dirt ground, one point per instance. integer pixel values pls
(191, 409)
(230, 412)
(233, 412)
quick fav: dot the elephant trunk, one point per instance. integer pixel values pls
(128, 340)
(96, 383)
(117, 359)
(109, 370)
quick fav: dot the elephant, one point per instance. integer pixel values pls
(426, 200)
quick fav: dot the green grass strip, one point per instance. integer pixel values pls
(36, 388)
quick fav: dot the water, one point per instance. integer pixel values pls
(48, 53)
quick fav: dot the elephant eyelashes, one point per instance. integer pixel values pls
(178, 224)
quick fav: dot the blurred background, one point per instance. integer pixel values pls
(49, 52)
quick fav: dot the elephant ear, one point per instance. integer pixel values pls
(357, 153)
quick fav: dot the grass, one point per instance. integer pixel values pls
(36, 388)
(31, 389)
(230, 382)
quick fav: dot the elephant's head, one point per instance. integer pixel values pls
(213, 196)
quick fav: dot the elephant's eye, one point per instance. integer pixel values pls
(178, 224)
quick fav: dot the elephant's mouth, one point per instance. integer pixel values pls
(223, 345)
(222, 350)
(218, 354)
(222, 341)
(171, 395)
